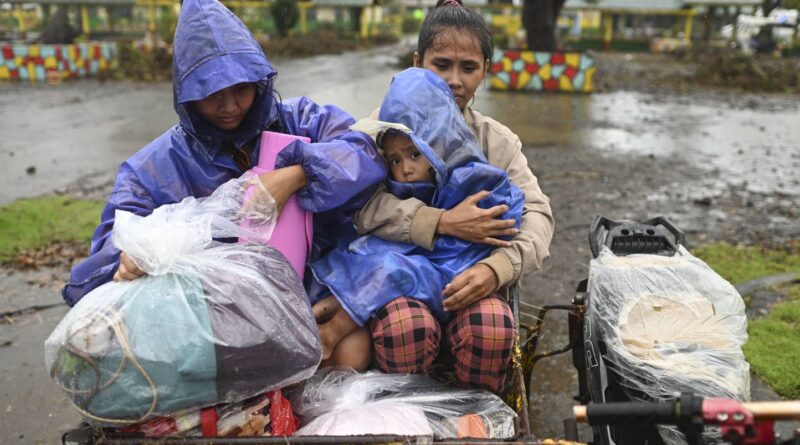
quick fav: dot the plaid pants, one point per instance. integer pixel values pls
(406, 339)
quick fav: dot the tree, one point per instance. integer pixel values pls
(285, 13)
(539, 18)
(59, 28)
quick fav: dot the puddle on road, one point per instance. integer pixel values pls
(758, 148)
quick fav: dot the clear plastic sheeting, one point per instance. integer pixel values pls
(670, 324)
(341, 402)
(211, 322)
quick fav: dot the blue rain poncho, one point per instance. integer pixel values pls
(214, 50)
(371, 272)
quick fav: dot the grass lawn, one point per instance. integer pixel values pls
(773, 349)
(34, 223)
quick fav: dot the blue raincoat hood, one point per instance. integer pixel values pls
(371, 272)
(214, 50)
(420, 100)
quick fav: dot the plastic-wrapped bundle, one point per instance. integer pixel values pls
(671, 325)
(341, 402)
(210, 323)
(264, 415)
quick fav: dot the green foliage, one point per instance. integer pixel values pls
(411, 25)
(260, 24)
(34, 223)
(285, 13)
(325, 39)
(778, 331)
(166, 27)
(141, 64)
(738, 264)
(750, 72)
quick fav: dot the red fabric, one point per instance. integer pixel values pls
(208, 422)
(155, 427)
(281, 416)
(8, 52)
(532, 68)
(557, 59)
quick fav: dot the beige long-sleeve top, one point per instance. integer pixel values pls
(411, 221)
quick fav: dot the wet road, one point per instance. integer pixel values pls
(623, 154)
(86, 128)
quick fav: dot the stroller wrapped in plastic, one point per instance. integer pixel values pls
(658, 322)
(211, 322)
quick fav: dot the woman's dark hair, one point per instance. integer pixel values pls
(450, 14)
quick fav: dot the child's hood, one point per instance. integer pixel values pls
(213, 50)
(421, 101)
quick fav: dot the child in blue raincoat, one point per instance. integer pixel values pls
(223, 95)
(432, 156)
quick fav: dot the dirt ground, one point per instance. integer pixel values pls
(582, 184)
(722, 165)
(700, 69)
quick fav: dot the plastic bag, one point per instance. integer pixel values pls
(343, 402)
(671, 325)
(210, 323)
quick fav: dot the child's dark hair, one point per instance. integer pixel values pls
(452, 14)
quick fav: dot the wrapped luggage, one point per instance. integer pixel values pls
(669, 324)
(211, 322)
(342, 402)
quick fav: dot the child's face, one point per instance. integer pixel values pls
(456, 57)
(406, 163)
(227, 108)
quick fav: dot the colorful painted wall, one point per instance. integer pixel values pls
(538, 71)
(42, 63)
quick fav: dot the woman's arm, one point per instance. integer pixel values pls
(526, 252)
(531, 246)
(403, 220)
(411, 221)
(340, 168)
(390, 218)
(104, 259)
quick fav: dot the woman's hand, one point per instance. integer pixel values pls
(127, 270)
(475, 283)
(283, 183)
(471, 223)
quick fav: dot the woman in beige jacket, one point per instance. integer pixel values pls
(455, 43)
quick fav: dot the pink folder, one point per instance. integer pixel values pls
(294, 229)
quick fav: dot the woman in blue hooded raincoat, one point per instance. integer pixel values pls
(371, 272)
(223, 95)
